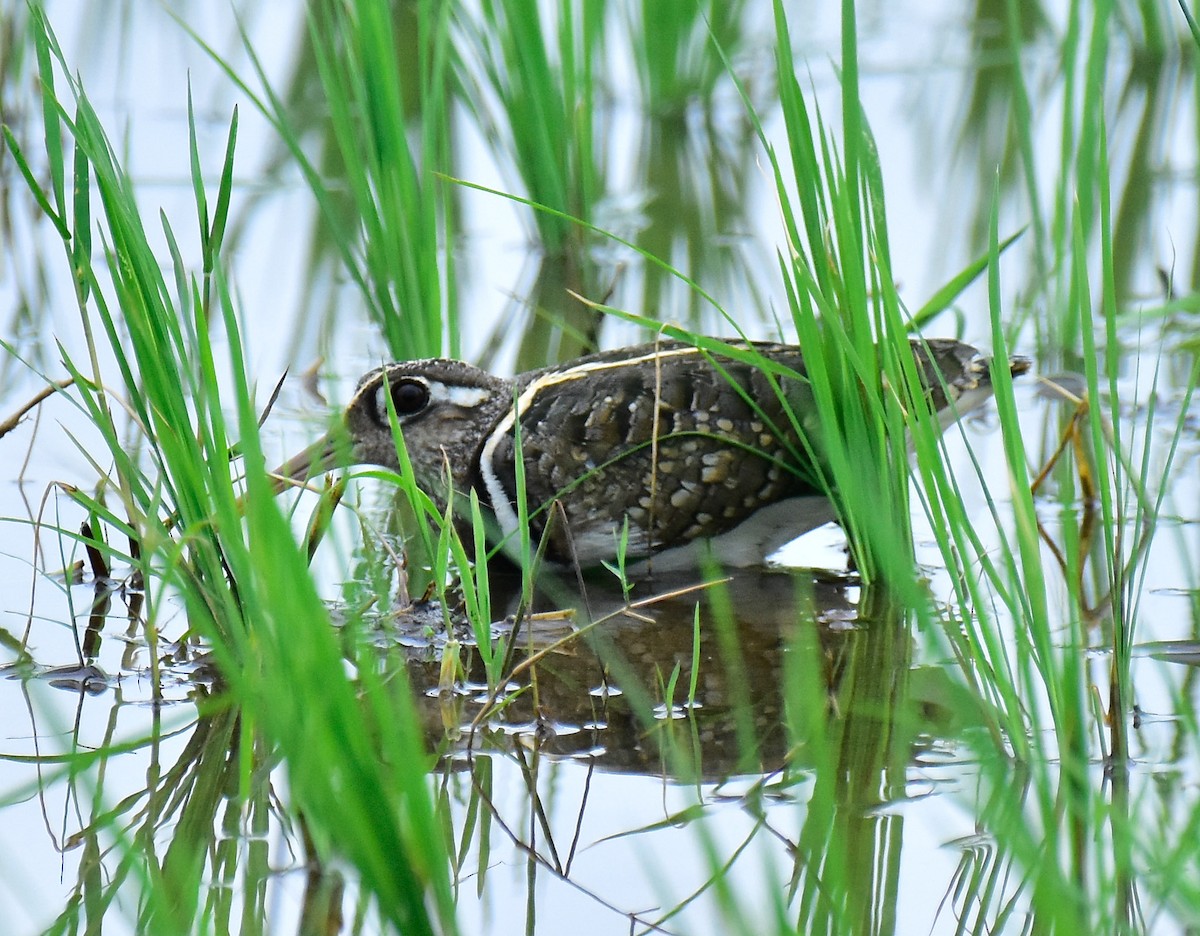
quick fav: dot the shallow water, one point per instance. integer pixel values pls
(593, 816)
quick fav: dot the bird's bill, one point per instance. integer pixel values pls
(327, 453)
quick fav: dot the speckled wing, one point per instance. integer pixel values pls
(662, 435)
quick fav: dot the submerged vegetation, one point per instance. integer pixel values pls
(408, 746)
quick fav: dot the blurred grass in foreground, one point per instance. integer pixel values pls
(355, 760)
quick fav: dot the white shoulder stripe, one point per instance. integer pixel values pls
(502, 500)
(502, 507)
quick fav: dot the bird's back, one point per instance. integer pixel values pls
(684, 444)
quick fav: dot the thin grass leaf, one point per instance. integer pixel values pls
(46, 48)
(216, 233)
(944, 296)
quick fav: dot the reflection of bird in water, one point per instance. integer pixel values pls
(594, 688)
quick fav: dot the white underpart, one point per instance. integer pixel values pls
(968, 401)
(764, 532)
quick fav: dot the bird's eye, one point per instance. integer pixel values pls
(409, 397)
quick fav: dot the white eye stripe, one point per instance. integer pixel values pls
(458, 395)
(466, 397)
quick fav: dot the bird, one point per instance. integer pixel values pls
(655, 450)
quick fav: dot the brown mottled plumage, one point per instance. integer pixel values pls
(686, 445)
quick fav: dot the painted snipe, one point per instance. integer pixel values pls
(687, 447)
